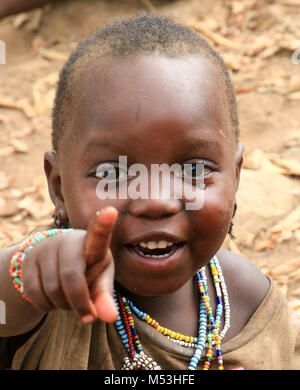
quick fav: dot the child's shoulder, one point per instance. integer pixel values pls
(247, 286)
(243, 274)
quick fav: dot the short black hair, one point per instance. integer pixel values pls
(146, 33)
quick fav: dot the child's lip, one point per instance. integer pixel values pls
(153, 264)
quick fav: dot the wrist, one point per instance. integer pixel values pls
(20, 253)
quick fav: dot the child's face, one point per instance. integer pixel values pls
(154, 110)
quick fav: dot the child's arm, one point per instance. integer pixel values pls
(20, 316)
(74, 270)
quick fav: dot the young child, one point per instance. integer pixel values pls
(142, 282)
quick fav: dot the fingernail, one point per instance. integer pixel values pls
(87, 319)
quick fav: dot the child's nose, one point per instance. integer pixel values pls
(154, 208)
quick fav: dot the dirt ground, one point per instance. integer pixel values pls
(258, 41)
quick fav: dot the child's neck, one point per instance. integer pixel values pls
(173, 310)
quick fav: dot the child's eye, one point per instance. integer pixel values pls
(196, 170)
(109, 172)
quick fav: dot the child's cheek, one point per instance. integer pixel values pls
(82, 204)
(212, 220)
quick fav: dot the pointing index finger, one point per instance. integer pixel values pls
(99, 234)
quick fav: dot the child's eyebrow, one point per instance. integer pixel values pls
(197, 144)
(95, 146)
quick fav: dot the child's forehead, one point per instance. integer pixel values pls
(110, 92)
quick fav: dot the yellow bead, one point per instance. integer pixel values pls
(187, 339)
(173, 334)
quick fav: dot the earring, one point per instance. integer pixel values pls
(231, 223)
(58, 223)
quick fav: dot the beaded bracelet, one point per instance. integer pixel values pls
(19, 255)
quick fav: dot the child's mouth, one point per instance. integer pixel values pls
(155, 249)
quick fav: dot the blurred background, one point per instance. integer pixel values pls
(259, 41)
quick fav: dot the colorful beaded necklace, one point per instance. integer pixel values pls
(209, 327)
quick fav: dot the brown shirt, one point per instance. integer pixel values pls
(270, 340)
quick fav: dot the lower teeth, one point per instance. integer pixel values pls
(153, 256)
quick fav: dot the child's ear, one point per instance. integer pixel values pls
(238, 163)
(54, 182)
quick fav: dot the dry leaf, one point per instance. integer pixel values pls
(291, 167)
(4, 181)
(269, 52)
(241, 6)
(297, 235)
(258, 160)
(6, 151)
(34, 21)
(24, 131)
(216, 38)
(37, 43)
(43, 92)
(294, 96)
(269, 243)
(261, 43)
(245, 89)
(293, 83)
(51, 54)
(286, 268)
(35, 208)
(21, 104)
(20, 20)
(290, 222)
(294, 3)
(19, 146)
(7, 209)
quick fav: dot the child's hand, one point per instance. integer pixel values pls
(75, 270)
(100, 270)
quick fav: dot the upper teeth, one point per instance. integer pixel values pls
(155, 244)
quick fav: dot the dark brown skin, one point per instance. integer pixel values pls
(151, 109)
